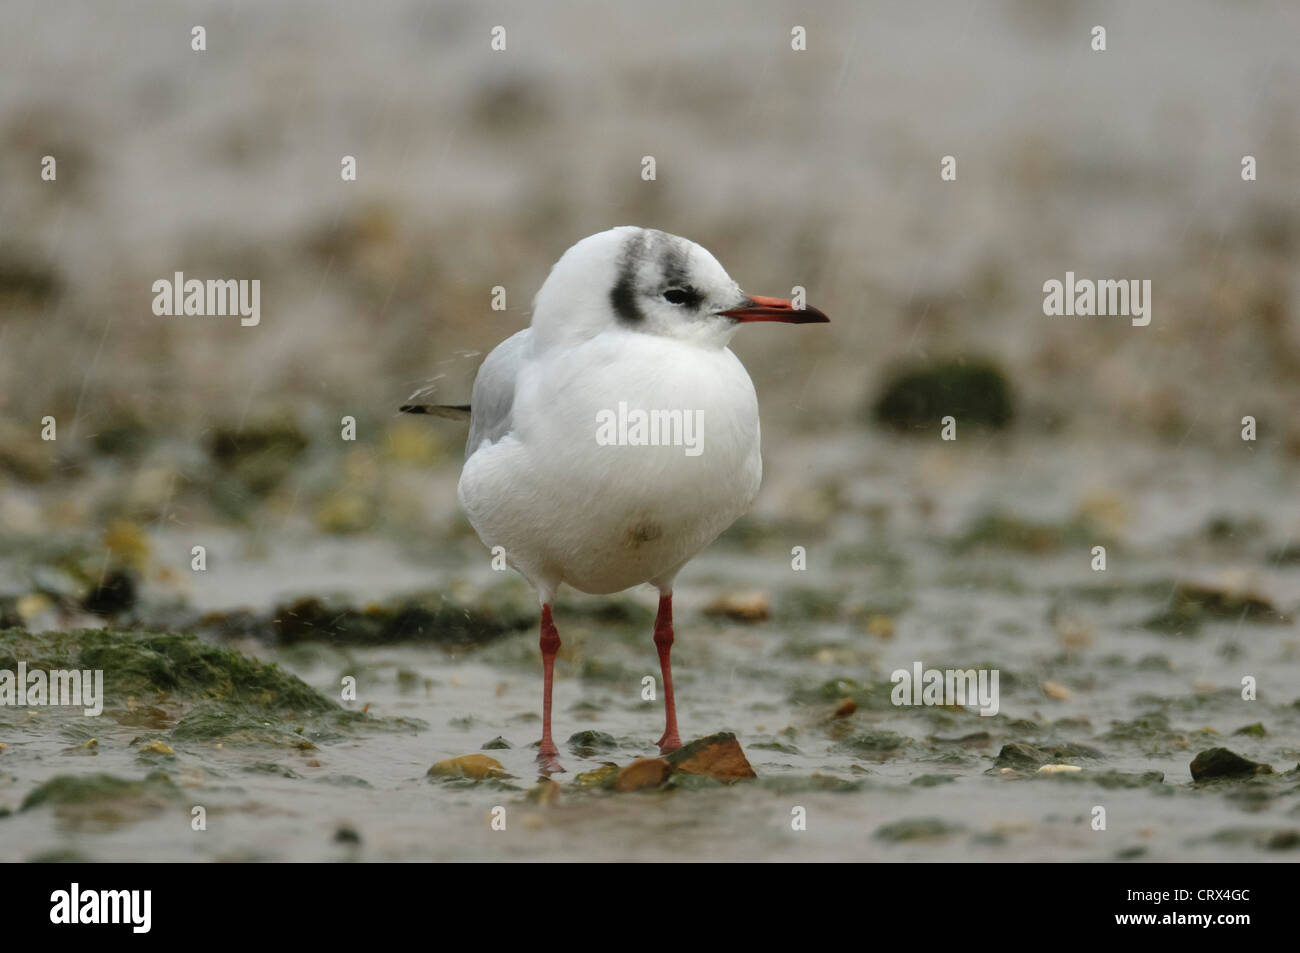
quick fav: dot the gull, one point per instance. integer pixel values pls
(616, 436)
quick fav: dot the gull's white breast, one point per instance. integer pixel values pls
(605, 517)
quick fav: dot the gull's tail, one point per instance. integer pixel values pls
(449, 411)
(419, 403)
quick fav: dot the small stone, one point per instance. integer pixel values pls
(545, 792)
(1288, 839)
(589, 743)
(1230, 596)
(115, 594)
(90, 747)
(346, 835)
(1222, 763)
(643, 773)
(597, 777)
(33, 604)
(1020, 755)
(845, 708)
(497, 744)
(1057, 690)
(1059, 768)
(717, 756)
(128, 543)
(476, 767)
(881, 626)
(157, 747)
(740, 607)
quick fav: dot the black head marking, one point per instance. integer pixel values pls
(651, 251)
(673, 262)
(673, 259)
(622, 297)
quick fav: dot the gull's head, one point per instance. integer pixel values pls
(647, 281)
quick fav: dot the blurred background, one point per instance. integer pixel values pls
(478, 168)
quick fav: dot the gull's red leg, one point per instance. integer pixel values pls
(664, 643)
(550, 643)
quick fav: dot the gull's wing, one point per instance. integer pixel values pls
(493, 397)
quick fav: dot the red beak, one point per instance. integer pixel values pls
(776, 309)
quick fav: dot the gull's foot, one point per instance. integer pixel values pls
(547, 765)
(669, 743)
(548, 762)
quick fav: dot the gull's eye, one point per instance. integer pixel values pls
(681, 296)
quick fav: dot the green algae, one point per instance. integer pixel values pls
(914, 398)
(87, 789)
(597, 778)
(270, 768)
(261, 454)
(999, 530)
(603, 670)
(932, 780)
(344, 781)
(589, 743)
(1152, 726)
(872, 696)
(874, 743)
(917, 829)
(808, 604)
(432, 619)
(815, 782)
(1261, 838)
(147, 664)
(212, 694)
(685, 781)
(237, 725)
(60, 855)
(1190, 605)
(779, 746)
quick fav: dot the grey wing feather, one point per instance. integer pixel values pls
(493, 398)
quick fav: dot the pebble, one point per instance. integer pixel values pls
(740, 607)
(643, 773)
(1057, 690)
(717, 756)
(474, 766)
(1222, 763)
(845, 708)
